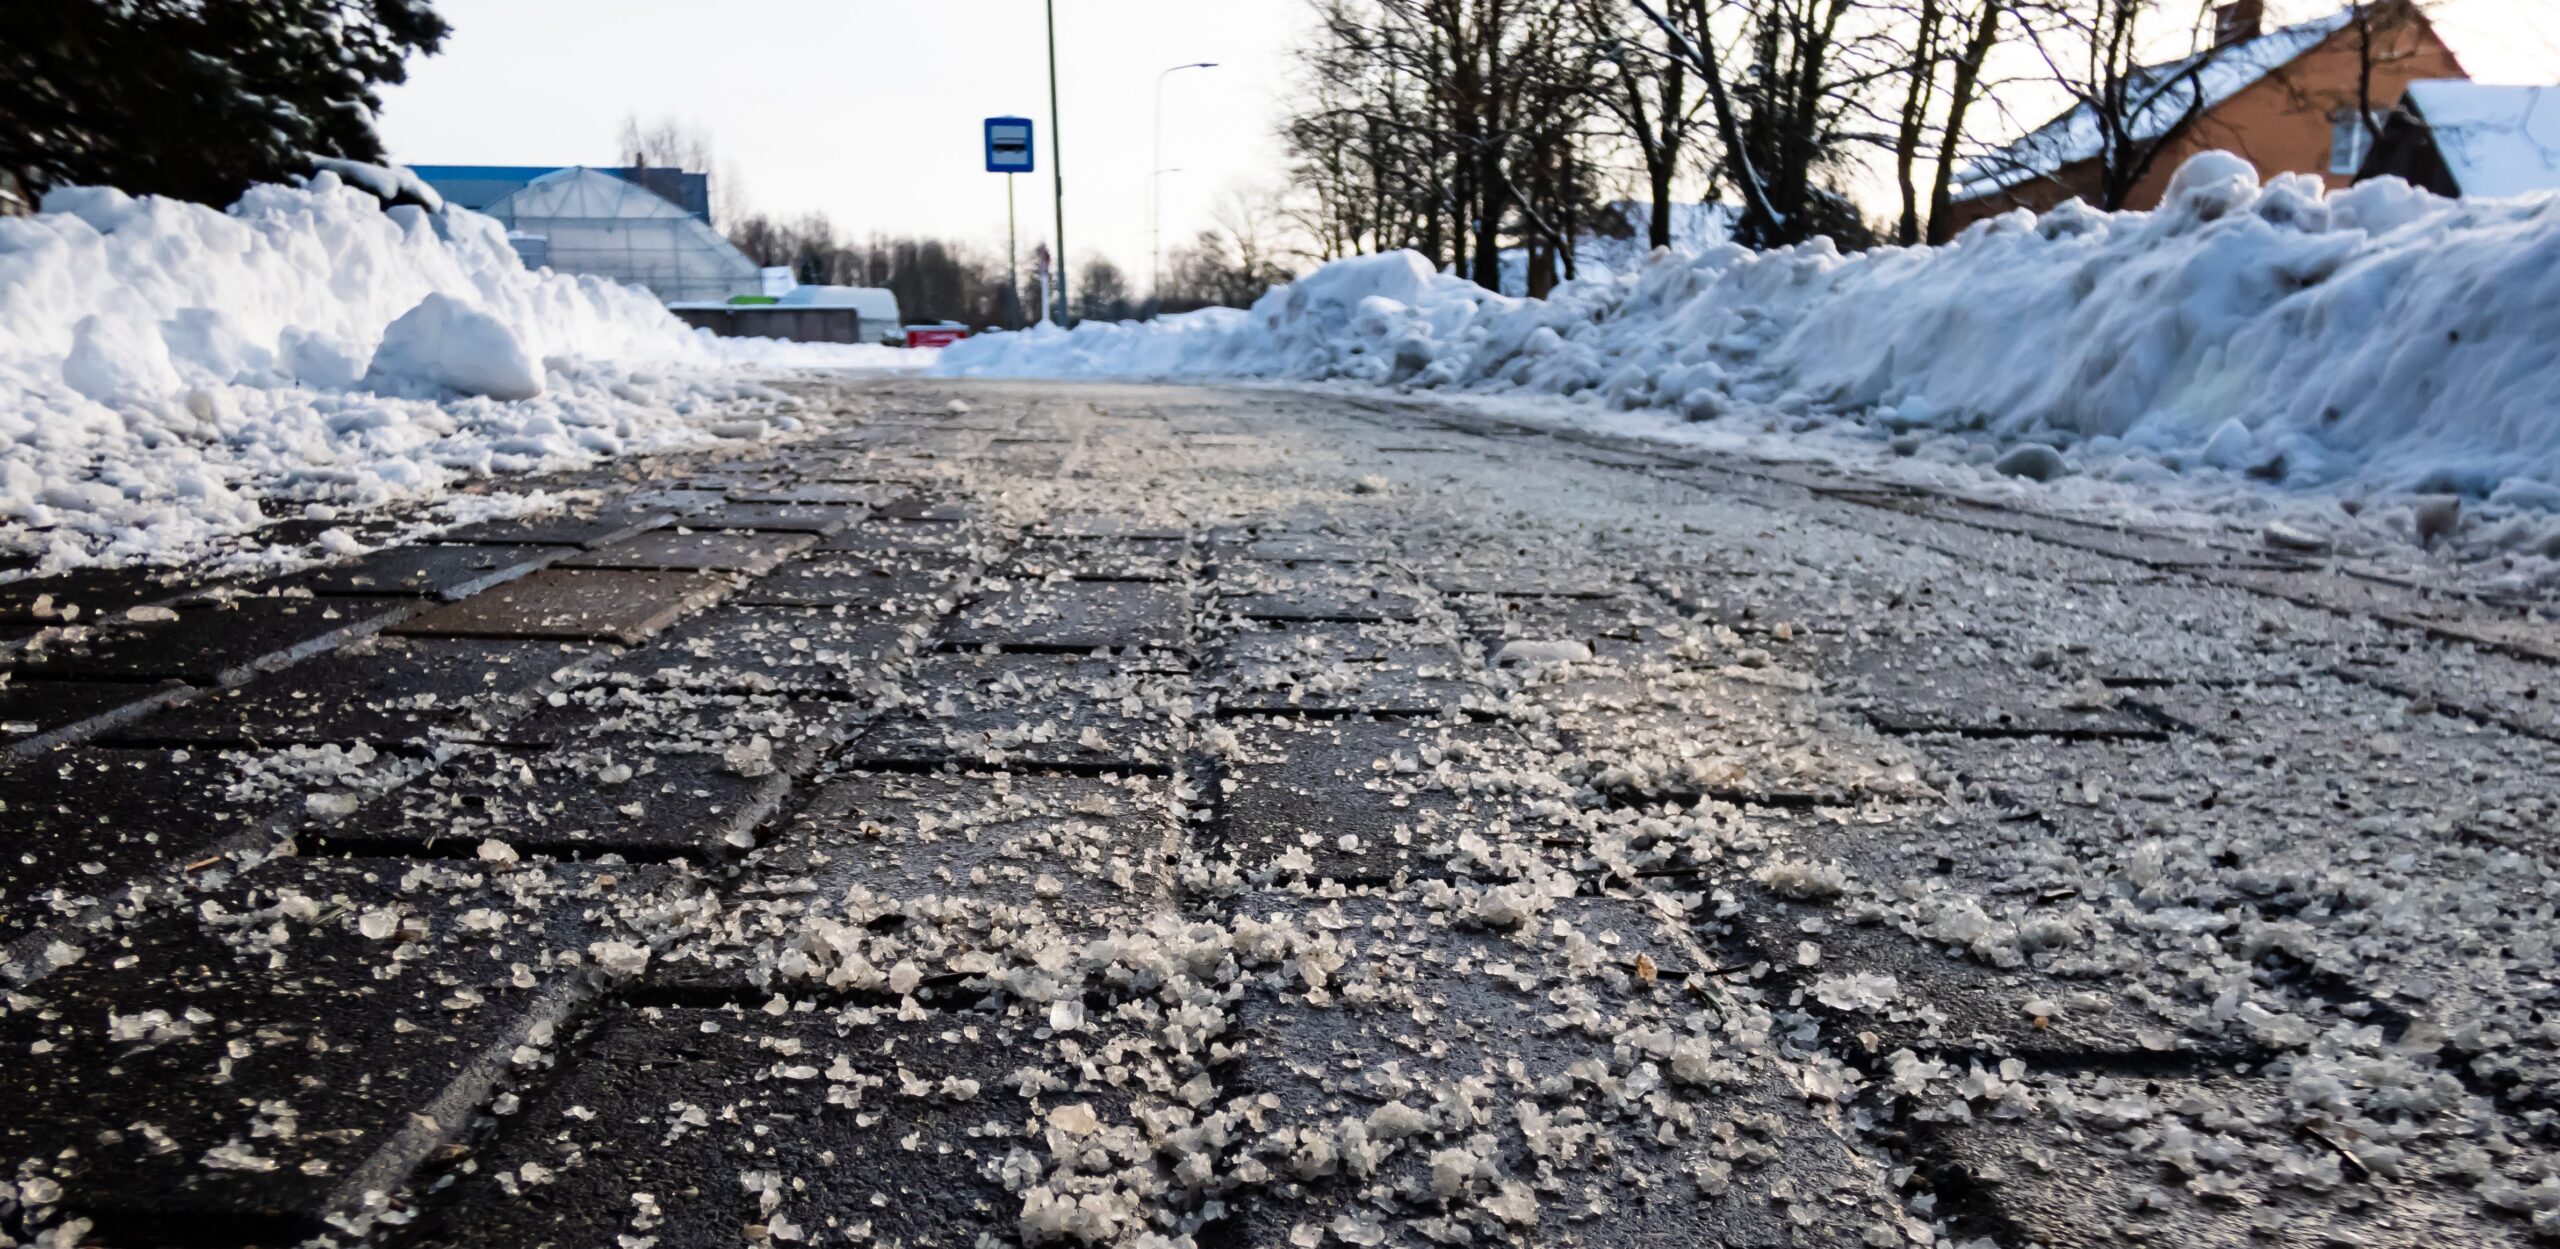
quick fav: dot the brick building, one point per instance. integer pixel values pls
(2284, 99)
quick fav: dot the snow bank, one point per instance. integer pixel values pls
(165, 366)
(2377, 338)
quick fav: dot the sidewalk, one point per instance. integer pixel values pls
(1102, 813)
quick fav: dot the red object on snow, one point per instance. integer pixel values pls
(935, 335)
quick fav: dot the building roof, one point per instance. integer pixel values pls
(2495, 140)
(592, 222)
(874, 303)
(477, 186)
(2198, 82)
(583, 193)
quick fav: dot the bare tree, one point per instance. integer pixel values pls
(934, 280)
(1648, 90)
(1454, 126)
(1802, 74)
(667, 143)
(1965, 86)
(2093, 50)
(1102, 291)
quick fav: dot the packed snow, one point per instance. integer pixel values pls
(2376, 341)
(171, 374)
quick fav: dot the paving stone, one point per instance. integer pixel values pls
(679, 550)
(885, 537)
(882, 1154)
(903, 586)
(1075, 524)
(1592, 621)
(1355, 801)
(1313, 642)
(1076, 616)
(728, 479)
(1087, 846)
(1418, 1009)
(1946, 1002)
(95, 593)
(386, 691)
(1426, 688)
(804, 650)
(575, 604)
(81, 823)
(995, 862)
(677, 717)
(1102, 559)
(1312, 592)
(214, 645)
(1337, 668)
(1297, 548)
(1033, 711)
(678, 500)
(1760, 737)
(38, 714)
(427, 570)
(1944, 693)
(258, 1060)
(925, 507)
(2100, 1160)
(1524, 581)
(593, 526)
(812, 518)
(605, 796)
(864, 493)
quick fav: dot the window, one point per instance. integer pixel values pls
(2349, 140)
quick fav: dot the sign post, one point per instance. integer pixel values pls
(1009, 153)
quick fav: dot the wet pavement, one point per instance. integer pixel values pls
(1048, 814)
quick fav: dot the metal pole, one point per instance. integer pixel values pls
(1057, 162)
(1155, 189)
(1155, 207)
(1012, 265)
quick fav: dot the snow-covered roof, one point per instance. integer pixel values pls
(2496, 141)
(582, 192)
(2201, 81)
(874, 303)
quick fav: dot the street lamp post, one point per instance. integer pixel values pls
(1155, 188)
(1057, 162)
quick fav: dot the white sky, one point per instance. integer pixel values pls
(870, 109)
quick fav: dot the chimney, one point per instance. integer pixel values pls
(2238, 22)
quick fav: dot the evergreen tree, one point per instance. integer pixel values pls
(196, 98)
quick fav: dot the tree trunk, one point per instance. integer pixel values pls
(1906, 140)
(1657, 232)
(1662, 161)
(1959, 100)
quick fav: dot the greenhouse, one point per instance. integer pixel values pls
(581, 220)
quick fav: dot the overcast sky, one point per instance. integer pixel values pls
(870, 109)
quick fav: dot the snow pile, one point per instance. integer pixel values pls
(1694, 227)
(164, 366)
(2379, 337)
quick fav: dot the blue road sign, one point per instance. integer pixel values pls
(1008, 145)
